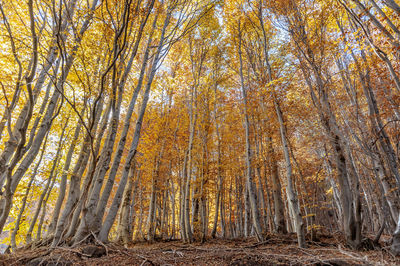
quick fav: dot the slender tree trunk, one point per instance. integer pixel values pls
(249, 156)
(63, 183)
(77, 173)
(122, 141)
(124, 233)
(44, 205)
(28, 188)
(292, 196)
(49, 184)
(150, 228)
(187, 168)
(279, 207)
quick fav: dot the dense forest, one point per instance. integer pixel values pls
(155, 120)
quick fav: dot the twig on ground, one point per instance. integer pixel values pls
(99, 242)
(348, 253)
(145, 260)
(80, 242)
(73, 250)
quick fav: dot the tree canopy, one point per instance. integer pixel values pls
(191, 119)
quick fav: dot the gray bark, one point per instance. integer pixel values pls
(121, 145)
(124, 226)
(28, 188)
(395, 247)
(249, 156)
(63, 183)
(50, 181)
(105, 229)
(292, 195)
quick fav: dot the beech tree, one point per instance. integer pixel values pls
(187, 119)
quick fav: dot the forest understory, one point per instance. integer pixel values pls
(275, 250)
(137, 121)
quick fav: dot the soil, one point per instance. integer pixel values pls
(276, 250)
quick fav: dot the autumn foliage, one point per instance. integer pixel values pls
(196, 119)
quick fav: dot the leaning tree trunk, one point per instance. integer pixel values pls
(292, 195)
(314, 78)
(90, 158)
(44, 205)
(75, 180)
(63, 183)
(45, 125)
(28, 188)
(108, 222)
(49, 184)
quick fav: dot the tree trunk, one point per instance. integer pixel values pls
(49, 184)
(22, 209)
(124, 232)
(395, 247)
(249, 156)
(292, 196)
(63, 183)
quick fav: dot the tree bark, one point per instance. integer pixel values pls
(249, 156)
(292, 196)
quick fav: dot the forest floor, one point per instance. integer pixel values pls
(276, 250)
